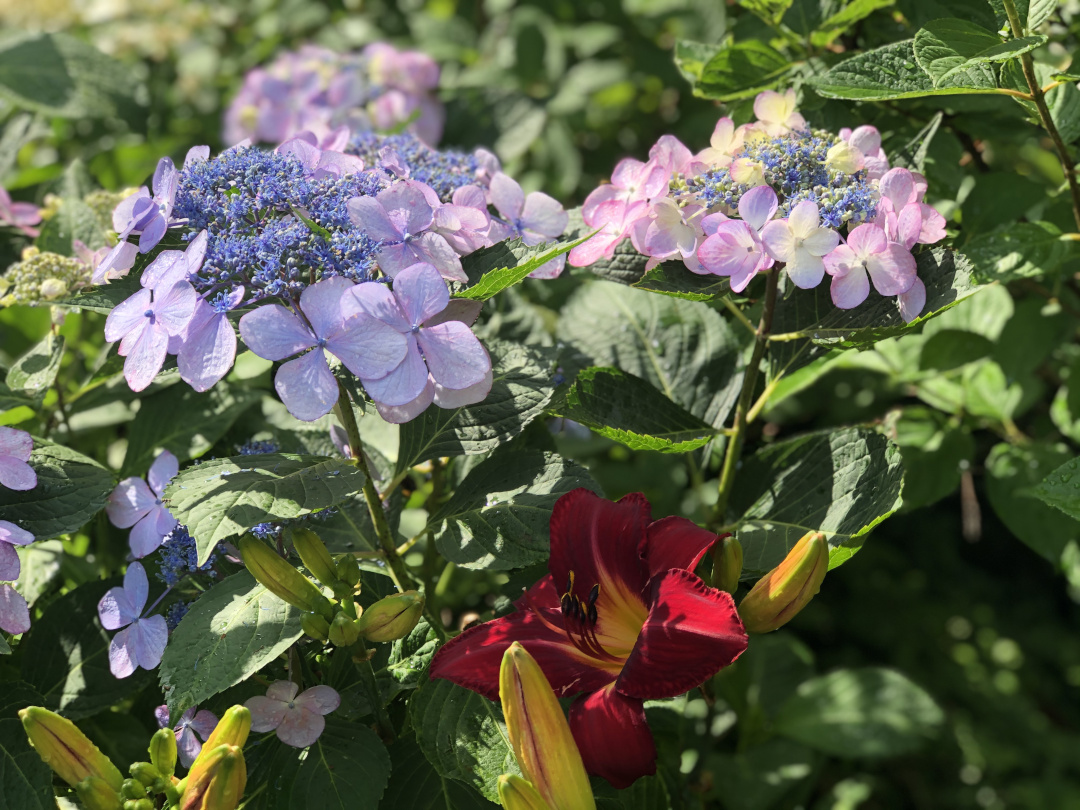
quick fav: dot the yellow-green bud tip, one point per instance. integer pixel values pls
(779, 595)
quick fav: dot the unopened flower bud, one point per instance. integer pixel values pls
(145, 772)
(516, 793)
(392, 617)
(315, 626)
(97, 794)
(133, 789)
(843, 157)
(540, 735)
(343, 631)
(220, 784)
(66, 750)
(232, 729)
(139, 804)
(317, 560)
(783, 592)
(348, 570)
(727, 563)
(281, 579)
(163, 751)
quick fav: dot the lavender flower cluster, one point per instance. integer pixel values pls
(772, 191)
(312, 232)
(316, 89)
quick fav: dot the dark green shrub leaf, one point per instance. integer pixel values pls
(506, 264)
(25, 780)
(1018, 250)
(672, 278)
(741, 70)
(36, 370)
(415, 784)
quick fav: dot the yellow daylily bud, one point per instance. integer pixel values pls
(163, 751)
(727, 563)
(232, 729)
(67, 750)
(540, 735)
(220, 786)
(97, 794)
(391, 618)
(348, 571)
(516, 793)
(343, 631)
(281, 579)
(315, 626)
(843, 157)
(783, 592)
(317, 560)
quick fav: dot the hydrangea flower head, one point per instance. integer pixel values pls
(144, 323)
(777, 112)
(137, 503)
(735, 249)
(800, 242)
(297, 718)
(141, 641)
(867, 256)
(535, 219)
(16, 447)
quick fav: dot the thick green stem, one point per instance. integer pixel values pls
(371, 687)
(746, 396)
(1038, 96)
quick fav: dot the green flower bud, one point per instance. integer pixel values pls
(133, 789)
(281, 579)
(343, 631)
(220, 784)
(139, 804)
(145, 773)
(391, 618)
(318, 561)
(727, 563)
(315, 626)
(779, 595)
(97, 794)
(66, 750)
(516, 793)
(163, 751)
(348, 571)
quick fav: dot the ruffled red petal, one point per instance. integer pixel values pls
(613, 736)
(542, 594)
(693, 631)
(598, 540)
(472, 659)
(675, 542)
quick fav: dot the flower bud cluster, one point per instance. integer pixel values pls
(775, 191)
(40, 277)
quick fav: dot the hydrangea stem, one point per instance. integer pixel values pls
(366, 672)
(746, 396)
(1038, 96)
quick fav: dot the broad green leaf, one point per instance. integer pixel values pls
(10, 400)
(347, 768)
(672, 278)
(499, 515)
(765, 676)
(985, 314)
(1014, 474)
(1061, 488)
(760, 776)
(463, 735)
(849, 14)
(1032, 13)
(61, 75)
(1018, 250)
(521, 388)
(647, 793)
(685, 349)
(507, 264)
(999, 198)
(888, 72)
(74, 220)
(627, 409)
(225, 497)
(869, 712)
(36, 370)
(691, 58)
(205, 419)
(415, 784)
(935, 451)
(842, 482)
(913, 154)
(25, 779)
(409, 659)
(957, 52)
(102, 298)
(233, 630)
(65, 656)
(769, 10)
(40, 563)
(741, 70)
(71, 489)
(1063, 100)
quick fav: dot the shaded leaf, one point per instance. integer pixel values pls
(415, 784)
(672, 278)
(741, 70)
(25, 780)
(35, 371)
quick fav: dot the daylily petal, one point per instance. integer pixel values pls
(613, 736)
(472, 659)
(692, 632)
(674, 542)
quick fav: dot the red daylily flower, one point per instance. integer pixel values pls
(621, 618)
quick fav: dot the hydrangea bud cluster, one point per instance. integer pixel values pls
(379, 88)
(309, 234)
(772, 191)
(41, 276)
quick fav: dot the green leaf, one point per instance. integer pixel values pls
(691, 58)
(769, 10)
(206, 418)
(958, 53)
(672, 278)
(889, 72)
(71, 489)
(60, 75)
(225, 497)
(1061, 489)
(1014, 475)
(102, 298)
(913, 154)
(409, 659)
(463, 735)
(685, 349)
(40, 563)
(65, 656)
(521, 389)
(868, 712)
(74, 220)
(849, 14)
(765, 676)
(347, 768)
(25, 779)
(233, 630)
(627, 409)
(841, 482)
(761, 776)
(935, 454)
(1032, 13)
(508, 263)
(498, 518)
(36, 370)
(741, 70)
(1018, 250)
(416, 785)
